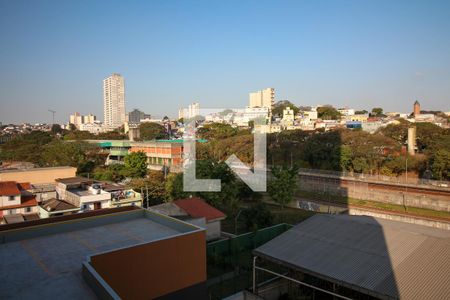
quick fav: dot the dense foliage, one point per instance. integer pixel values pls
(283, 185)
(152, 131)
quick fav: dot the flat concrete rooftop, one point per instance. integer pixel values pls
(45, 261)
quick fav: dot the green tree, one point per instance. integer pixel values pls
(282, 105)
(153, 188)
(136, 164)
(441, 164)
(361, 112)
(174, 187)
(284, 185)
(26, 147)
(61, 153)
(216, 131)
(114, 173)
(328, 113)
(377, 111)
(360, 165)
(56, 129)
(152, 131)
(257, 216)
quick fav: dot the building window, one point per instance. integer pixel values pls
(12, 198)
(12, 211)
(27, 209)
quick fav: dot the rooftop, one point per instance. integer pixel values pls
(73, 180)
(382, 258)
(52, 205)
(44, 260)
(9, 188)
(198, 208)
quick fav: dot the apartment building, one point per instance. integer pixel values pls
(114, 101)
(263, 98)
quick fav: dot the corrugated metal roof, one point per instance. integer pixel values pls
(384, 258)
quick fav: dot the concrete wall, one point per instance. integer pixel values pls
(154, 269)
(38, 175)
(366, 191)
(401, 218)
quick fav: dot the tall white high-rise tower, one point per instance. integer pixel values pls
(114, 101)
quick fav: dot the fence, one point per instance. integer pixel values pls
(230, 261)
(377, 177)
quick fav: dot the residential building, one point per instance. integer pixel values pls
(120, 253)
(358, 117)
(243, 117)
(421, 118)
(95, 128)
(136, 116)
(16, 203)
(371, 126)
(346, 111)
(114, 101)
(263, 98)
(78, 120)
(83, 193)
(311, 114)
(121, 195)
(353, 125)
(193, 110)
(195, 211)
(288, 117)
(56, 207)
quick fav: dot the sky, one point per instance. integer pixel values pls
(359, 54)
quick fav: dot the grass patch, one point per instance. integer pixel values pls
(287, 215)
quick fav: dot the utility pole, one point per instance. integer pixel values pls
(146, 187)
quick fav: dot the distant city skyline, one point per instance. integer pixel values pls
(361, 55)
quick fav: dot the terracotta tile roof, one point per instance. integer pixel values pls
(57, 205)
(24, 186)
(9, 188)
(197, 208)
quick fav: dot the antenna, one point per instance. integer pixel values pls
(53, 115)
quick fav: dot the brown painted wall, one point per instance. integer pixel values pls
(38, 175)
(154, 269)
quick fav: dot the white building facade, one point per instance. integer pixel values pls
(114, 101)
(264, 98)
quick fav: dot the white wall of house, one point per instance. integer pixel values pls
(213, 230)
(91, 205)
(21, 210)
(9, 200)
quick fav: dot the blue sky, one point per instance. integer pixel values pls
(362, 54)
